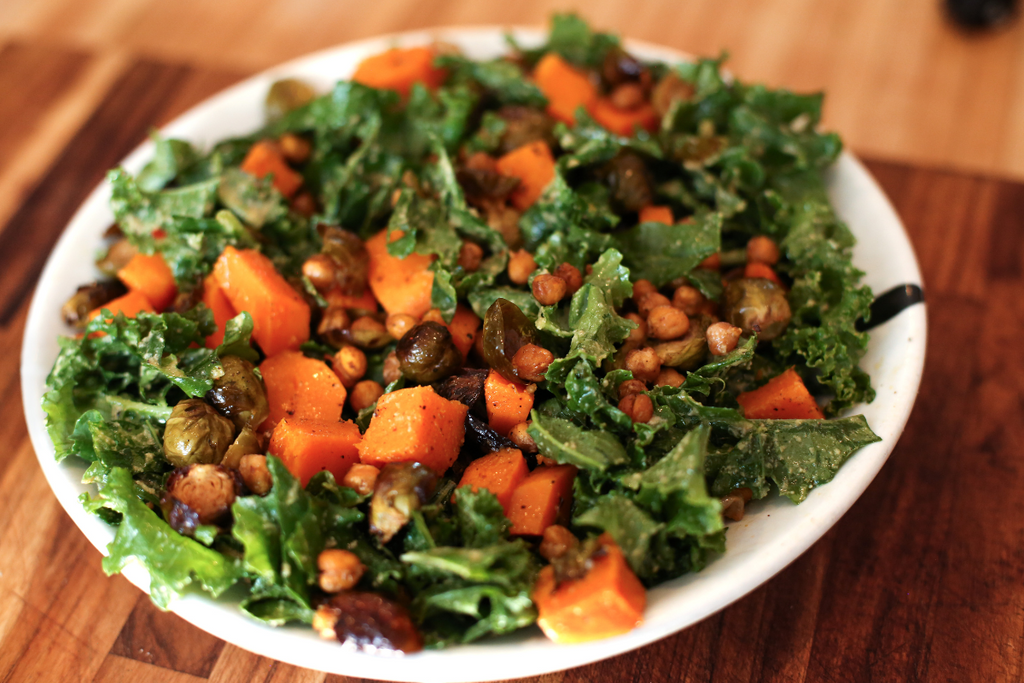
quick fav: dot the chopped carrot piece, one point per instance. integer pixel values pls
(542, 499)
(534, 165)
(217, 302)
(415, 425)
(656, 214)
(500, 473)
(784, 397)
(762, 270)
(607, 601)
(280, 316)
(508, 402)
(401, 285)
(624, 121)
(301, 387)
(153, 277)
(310, 446)
(265, 158)
(566, 88)
(399, 68)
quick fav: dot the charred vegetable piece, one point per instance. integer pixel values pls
(116, 258)
(350, 259)
(619, 67)
(523, 125)
(286, 95)
(668, 90)
(757, 306)
(689, 352)
(467, 387)
(506, 330)
(367, 622)
(239, 394)
(401, 488)
(427, 353)
(248, 442)
(196, 433)
(200, 494)
(482, 186)
(88, 298)
(629, 181)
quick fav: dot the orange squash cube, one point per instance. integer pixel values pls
(310, 446)
(500, 473)
(301, 387)
(542, 499)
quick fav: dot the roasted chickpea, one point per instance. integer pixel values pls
(722, 338)
(304, 204)
(713, 262)
(321, 271)
(522, 439)
(667, 322)
(669, 378)
(557, 541)
(688, 299)
(521, 266)
(638, 406)
(470, 256)
(392, 369)
(548, 290)
(433, 315)
(572, 276)
(362, 478)
(651, 301)
(340, 570)
(254, 472)
(644, 364)
(627, 96)
(531, 362)
(762, 249)
(642, 288)
(631, 386)
(294, 148)
(349, 365)
(365, 394)
(398, 324)
(637, 335)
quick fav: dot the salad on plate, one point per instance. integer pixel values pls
(463, 346)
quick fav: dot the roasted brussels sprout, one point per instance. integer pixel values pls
(689, 352)
(483, 186)
(506, 330)
(367, 622)
(428, 353)
(350, 259)
(117, 257)
(619, 67)
(757, 306)
(200, 494)
(401, 488)
(523, 125)
(196, 433)
(285, 95)
(629, 181)
(248, 442)
(88, 298)
(239, 394)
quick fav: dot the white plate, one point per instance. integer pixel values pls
(771, 536)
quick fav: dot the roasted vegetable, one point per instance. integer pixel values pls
(287, 95)
(506, 330)
(350, 259)
(88, 298)
(427, 353)
(367, 622)
(239, 394)
(757, 306)
(200, 494)
(196, 433)
(401, 488)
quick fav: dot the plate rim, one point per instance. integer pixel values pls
(476, 660)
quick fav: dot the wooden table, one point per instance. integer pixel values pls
(921, 580)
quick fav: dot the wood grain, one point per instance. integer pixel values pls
(920, 581)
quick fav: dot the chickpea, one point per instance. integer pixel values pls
(434, 315)
(713, 262)
(548, 289)
(642, 288)
(667, 322)
(304, 204)
(392, 368)
(762, 249)
(294, 148)
(651, 301)
(638, 335)
(531, 362)
(340, 570)
(669, 377)
(722, 338)
(324, 620)
(572, 276)
(254, 472)
(349, 365)
(627, 96)
(398, 324)
(688, 299)
(470, 256)
(521, 438)
(644, 364)
(362, 478)
(364, 394)
(631, 386)
(734, 504)
(557, 541)
(638, 406)
(521, 266)
(321, 271)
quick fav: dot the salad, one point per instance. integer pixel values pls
(460, 347)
